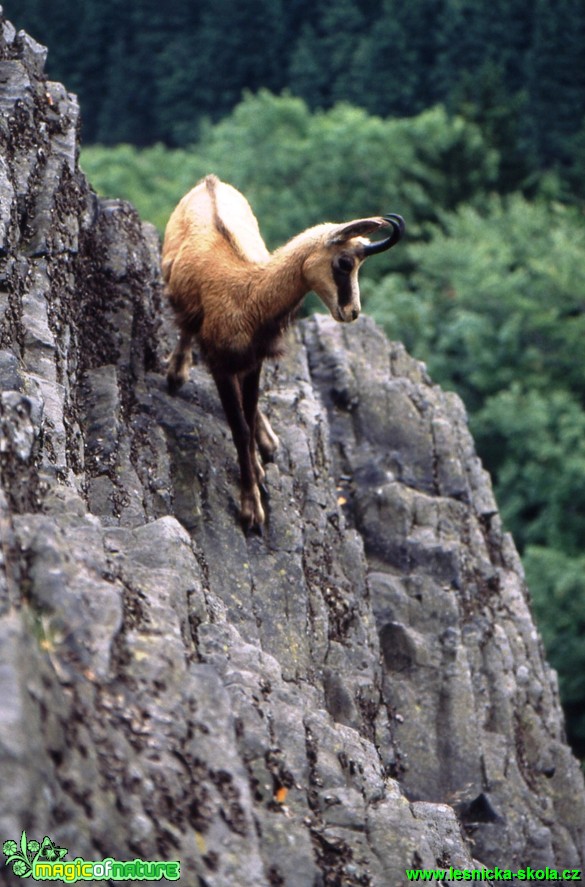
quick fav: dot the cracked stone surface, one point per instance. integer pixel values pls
(360, 690)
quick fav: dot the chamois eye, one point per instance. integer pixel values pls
(345, 264)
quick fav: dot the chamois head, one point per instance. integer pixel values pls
(331, 269)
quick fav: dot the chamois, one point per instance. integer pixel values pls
(236, 299)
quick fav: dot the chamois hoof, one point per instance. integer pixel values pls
(263, 489)
(252, 526)
(173, 384)
(254, 530)
(267, 453)
(251, 512)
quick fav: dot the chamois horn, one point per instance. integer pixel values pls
(380, 246)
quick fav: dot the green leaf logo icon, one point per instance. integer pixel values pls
(51, 852)
(23, 856)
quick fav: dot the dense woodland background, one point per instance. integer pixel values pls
(466, 116)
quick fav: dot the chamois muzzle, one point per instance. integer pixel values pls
(380, 246)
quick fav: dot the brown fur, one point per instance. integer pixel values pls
(236, 298)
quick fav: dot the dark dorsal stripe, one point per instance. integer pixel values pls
(211, 183)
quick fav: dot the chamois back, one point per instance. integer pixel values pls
(212, 221)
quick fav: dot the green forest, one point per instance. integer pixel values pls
(465, 116)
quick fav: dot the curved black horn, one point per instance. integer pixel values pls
(380, 246)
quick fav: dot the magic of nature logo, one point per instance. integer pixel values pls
(45, 861)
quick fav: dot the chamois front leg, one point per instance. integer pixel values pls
(180, 362)
(230, 393)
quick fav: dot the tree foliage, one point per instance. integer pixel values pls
(557, 583)
(147, 73)
(505, 286)
(298, 168)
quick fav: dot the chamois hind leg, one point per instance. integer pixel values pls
(180, 362)
(230, 393)
(265, 437)
(250, 384)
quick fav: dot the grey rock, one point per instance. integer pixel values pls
(359, 691)
(6, 205)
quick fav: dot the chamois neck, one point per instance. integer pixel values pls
(281, 284)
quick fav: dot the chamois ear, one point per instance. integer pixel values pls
(358, 228)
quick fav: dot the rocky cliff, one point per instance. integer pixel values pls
(359, 691)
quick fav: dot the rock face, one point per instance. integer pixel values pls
(360, 691)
